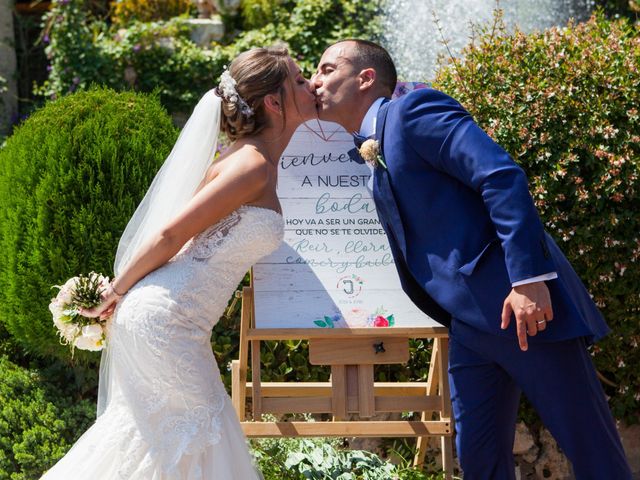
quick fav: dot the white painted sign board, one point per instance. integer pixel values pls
(334, 268)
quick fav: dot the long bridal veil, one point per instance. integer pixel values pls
(171, 189)
(177, 180)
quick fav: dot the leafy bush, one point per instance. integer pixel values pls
(258, 13)
(324, 459)
(630, 8)
(564, 103)
(38, 423)
(309, 26)
(75, 59)
(125, 11)
(70, 178)
(160, 55)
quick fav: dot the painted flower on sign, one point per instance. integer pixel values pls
(329, 321)
(380, 318)
(357, 318)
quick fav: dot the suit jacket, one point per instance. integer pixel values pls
(461, 223)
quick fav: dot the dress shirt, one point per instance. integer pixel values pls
(368, 129)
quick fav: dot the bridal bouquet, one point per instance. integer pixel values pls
(74, 329)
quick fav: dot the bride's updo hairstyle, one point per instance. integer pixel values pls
(251, 76)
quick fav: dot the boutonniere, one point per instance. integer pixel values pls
(370, 153)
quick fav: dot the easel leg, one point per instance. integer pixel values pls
(239, 370)
(445, 409)
(235, 386)
(256, 396)
(366, 397)
(339, 392)
(352, 390)
(351, 372)
(432, 388)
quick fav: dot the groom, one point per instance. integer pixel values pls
(472, 253)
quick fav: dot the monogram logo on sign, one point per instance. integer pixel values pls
(351, 285)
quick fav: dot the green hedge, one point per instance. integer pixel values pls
(39, 421)
(565, 103)
(70, 178)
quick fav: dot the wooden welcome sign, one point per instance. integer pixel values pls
(333, 282)
(335, 267)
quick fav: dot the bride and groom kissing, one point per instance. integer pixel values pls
(470, 250)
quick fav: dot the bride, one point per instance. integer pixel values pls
(163, 412)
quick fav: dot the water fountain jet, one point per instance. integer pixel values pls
(414, 42)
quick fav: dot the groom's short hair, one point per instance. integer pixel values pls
(372, 55)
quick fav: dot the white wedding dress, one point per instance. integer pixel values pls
(167, 415)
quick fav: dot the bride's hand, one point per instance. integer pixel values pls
(109, 301)
(109, 311)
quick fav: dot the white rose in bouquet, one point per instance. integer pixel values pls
(68, 330)
(91, 338)
(74, 329)
(65, 295)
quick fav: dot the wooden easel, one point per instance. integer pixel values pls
(351, 353)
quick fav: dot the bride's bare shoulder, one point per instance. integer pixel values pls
(245, 158)
(233, 157)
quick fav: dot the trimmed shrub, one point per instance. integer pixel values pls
(70, 178)
(564, 103)
(38, 423)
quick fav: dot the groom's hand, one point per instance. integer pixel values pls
(531, 305)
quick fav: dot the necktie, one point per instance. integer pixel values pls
(358, 139)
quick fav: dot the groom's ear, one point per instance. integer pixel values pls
(273, 103)
(367, 78)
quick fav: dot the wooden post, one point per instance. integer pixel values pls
(239, 370)
(366, 399)
(339, 392)
(256, 397)
(445, 408)
(431, 389)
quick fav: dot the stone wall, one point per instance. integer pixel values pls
(9, 99)
(537, 456)
(540, 458)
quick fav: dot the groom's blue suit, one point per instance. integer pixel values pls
(463, 228)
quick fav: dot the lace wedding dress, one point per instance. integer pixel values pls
(167, 415)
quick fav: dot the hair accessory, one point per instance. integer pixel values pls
(227, 87)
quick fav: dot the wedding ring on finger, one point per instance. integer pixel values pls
(540, 322)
